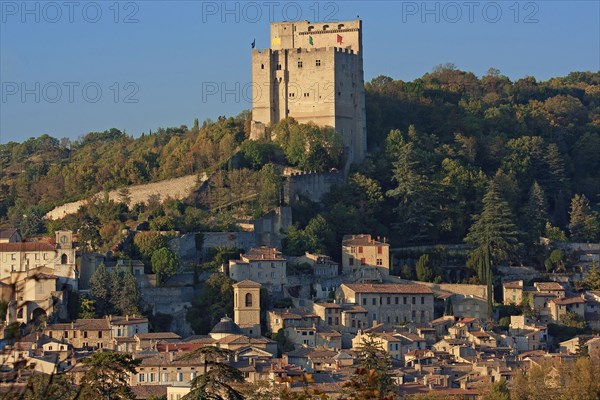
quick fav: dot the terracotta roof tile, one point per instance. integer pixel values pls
(513, 285)
(263, 253)
(391, 288)
(25, 246)
(361, 240)
(544, 286)
(568, 300)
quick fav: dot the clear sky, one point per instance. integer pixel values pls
(72, 67)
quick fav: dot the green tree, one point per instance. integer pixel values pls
(556, 261)
(107, 376)
(494, 236)
(416, 193)
(372, 380)
(147, 243)
(592, 278)
(423, 269)
(554, 233)
(215, 301)
(126, 295)
(49, 387)
(498, 391)
(100, 290)
(584, 225)
(87, 306)
(407, 272)
(536, 215)
(308, 146)
(89, 233)
(572, 320)
(125, 196)
(218, 375)
(164, 264)
(269, 181)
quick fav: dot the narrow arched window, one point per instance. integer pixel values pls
(248, 300)
(64, 259)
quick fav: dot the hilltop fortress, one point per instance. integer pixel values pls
(313, 72)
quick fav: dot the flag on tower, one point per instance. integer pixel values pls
(254, 43)
(339, 39)
(310, 40)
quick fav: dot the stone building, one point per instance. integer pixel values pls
(363, 252)
(17, 258)
(36, 277)
(554, 288)
(98, 333)
(390, 303)
(10, 236)
(513, 292)
(313, 72)
(264, 265)
(290, 317)
(561, 306)
(246, 307)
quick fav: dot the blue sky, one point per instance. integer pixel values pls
(69, 69)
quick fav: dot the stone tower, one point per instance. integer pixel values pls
(246, 307)
(312, 72)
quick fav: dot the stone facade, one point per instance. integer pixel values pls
(263, 265)
(313, 72)
(362, 251)
(246, 307)
(513, 292)
(20, 257)
(390, 303)
(34, 275)
(311, 185)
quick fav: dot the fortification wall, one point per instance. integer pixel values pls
(312, 185)
(173, 301)
(267, 229)
(176, 188)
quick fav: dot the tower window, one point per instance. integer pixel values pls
(278, 67)
(248, 300)
(318, 63)
(299, 64)
(63, 259)
(262, 66)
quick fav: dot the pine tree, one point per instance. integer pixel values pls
(535, 213)
(592, 278)
(554, 183)
(418, 196)
(107, 376)
(495, 236)
(372, 380)
(583, 225)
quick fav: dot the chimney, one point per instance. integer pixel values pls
(171, 356)
(127, 317)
